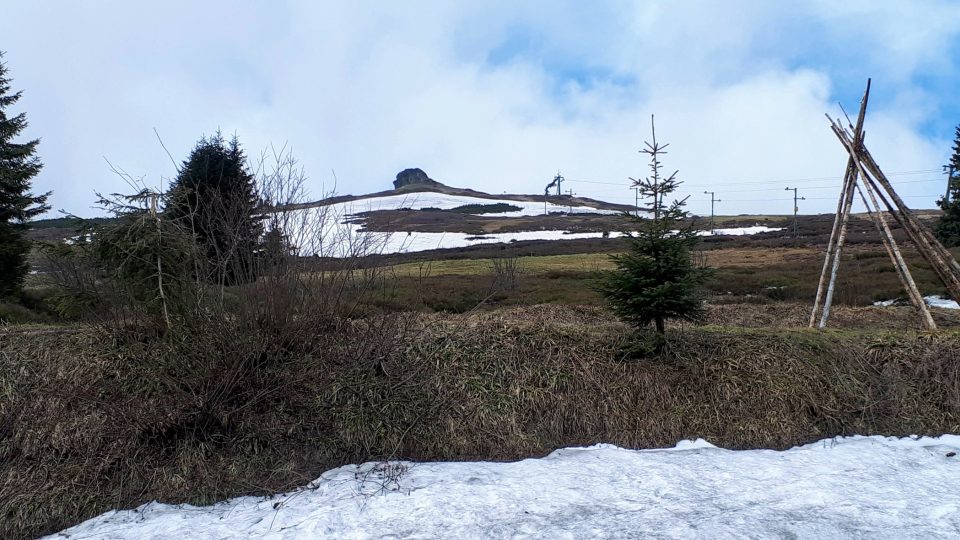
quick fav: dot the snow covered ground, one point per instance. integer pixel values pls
(872, 487)
(338, 237)
(740, 231)
(442, 201)
(422, 241)
(335, 230)
(932, 301)
(940, 302)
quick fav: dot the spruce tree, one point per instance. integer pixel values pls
(214, 196)
(948, 227)
(657, 278)
(18, 166)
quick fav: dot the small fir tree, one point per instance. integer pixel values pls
(215, 197)
(657, 279)
(148, 257)
(18, 166)
(947, 228)
(276, 247)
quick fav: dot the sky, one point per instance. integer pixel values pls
(496, 96)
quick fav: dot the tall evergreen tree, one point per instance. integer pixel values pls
(18, 166)
(657, 279)
(948, 227)
(215, 197)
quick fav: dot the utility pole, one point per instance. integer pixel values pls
(636, 200)
(949, 170)
(713, 199)
(795, 208)
(570, 194)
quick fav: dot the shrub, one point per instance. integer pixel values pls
(11, 313)
(506, 273)
(145, 277)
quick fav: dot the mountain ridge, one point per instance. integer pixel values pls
(467, 192)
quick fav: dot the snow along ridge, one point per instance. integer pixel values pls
(343, 233)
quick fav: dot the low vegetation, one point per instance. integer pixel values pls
(91, 423)
(314, 365)
(741, 275)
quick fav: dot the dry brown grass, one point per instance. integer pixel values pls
(592, 262)
(740, 257)
(796, 315)
(85, 425)
(741, 275)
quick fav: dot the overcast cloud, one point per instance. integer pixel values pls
(494, 96)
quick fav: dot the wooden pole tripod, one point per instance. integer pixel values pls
(861, 166)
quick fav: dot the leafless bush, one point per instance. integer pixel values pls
(71, 273)
(506, 272)
(379, 478)
(222, 319)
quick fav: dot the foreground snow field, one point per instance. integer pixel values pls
(838, 488)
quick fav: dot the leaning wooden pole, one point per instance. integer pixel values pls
(841, 240)
(942, 261)
(847, 205)
(839, 223)
(880, 221)
(828, 255)
(903, 271)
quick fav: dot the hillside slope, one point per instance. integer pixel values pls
(561, 200)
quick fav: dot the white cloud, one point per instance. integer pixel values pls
(495, 96)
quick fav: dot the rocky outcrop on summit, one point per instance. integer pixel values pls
(408, 177)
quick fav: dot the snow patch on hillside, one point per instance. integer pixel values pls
(941, 302)
(442, 201)
(741, 231)
(842, 487)
(342, 234)
(422, 241)
(932, 301)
